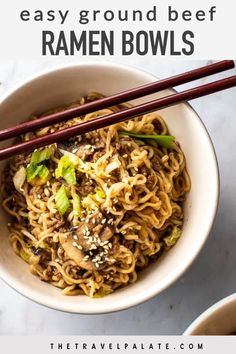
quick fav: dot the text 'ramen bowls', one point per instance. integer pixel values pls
(219, 319)
(113, 217)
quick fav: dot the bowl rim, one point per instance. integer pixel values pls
(145, 296)
(209, 312)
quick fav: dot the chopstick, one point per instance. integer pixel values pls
(118, 98)
(117, 117)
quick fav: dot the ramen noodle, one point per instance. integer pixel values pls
(88, 214)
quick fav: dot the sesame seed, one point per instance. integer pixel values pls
(97, 265)
(79, 247)
(39, 196)
(103, 221)
(8, 224)
(125, 155)
(75, 237)
(74, 244)
(93, 247)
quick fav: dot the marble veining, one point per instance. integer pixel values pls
(211, 277)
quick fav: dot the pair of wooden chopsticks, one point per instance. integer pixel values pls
(120, 116)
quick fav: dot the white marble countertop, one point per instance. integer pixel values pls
(210, 278)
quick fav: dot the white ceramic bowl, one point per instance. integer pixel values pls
(219, 319)
(65, 85)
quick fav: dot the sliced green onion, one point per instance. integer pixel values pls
(166, 141)
(34, 170)
(41, 155)
(76, 201)
(63, 163)
(62, 201)
(66, 170)
(173, 237)
(43, 172)
(72, 157)
(69, 175)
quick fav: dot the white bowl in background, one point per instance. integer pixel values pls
(219, 319)
(64, 85)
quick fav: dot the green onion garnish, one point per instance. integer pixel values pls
(43, 172)
(76, 204)
(34, 170)
(66, 169)
(41, 155)
(62, 201)
(173, 237)
(166, 141)
(69, 175)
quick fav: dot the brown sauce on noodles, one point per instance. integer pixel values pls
(131, 195)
